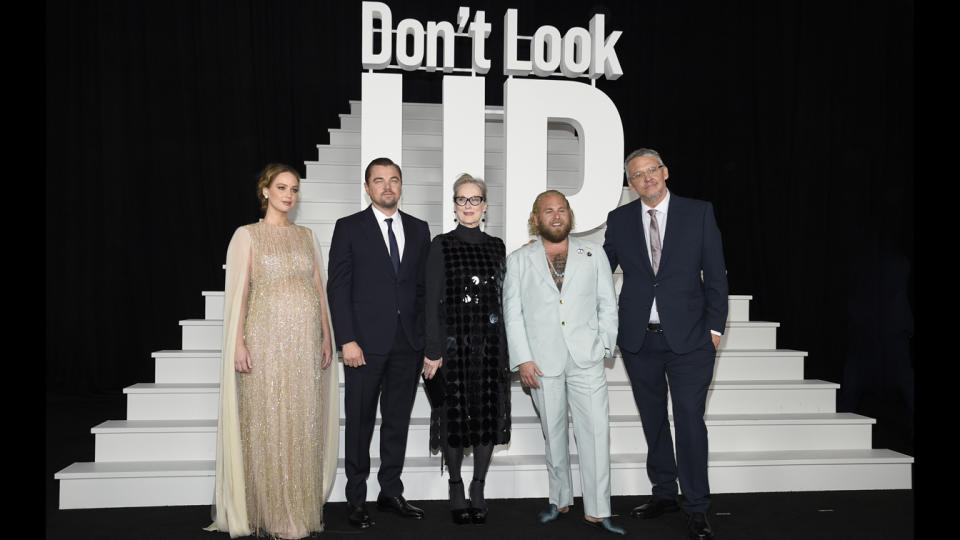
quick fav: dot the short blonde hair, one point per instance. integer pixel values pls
(266, 178)
(532, 222)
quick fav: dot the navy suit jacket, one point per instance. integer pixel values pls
(365, 293)
(689, 307)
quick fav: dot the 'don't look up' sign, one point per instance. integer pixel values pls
(531, 99)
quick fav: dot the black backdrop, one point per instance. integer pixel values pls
(795, 118)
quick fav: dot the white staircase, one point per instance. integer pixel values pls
(769, 429)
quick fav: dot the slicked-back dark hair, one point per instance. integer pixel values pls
(382, 161)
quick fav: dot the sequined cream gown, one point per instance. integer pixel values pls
(279, 423)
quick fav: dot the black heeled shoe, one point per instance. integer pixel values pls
(461, 516)
(478, 506)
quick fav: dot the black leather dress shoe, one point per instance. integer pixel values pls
(698, 528)
(478, 515)
(654, 507)
(399, 506)
(357, 516)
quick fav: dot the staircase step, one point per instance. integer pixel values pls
(750, 335)
(739, 335)
(212, 304)
(429, 157)
(738, 307)
(160, 440)
(492, 127)
(128, 484)
(556, 144)
(151, 401)
(167, 440)
(187, 366)
(203, 366)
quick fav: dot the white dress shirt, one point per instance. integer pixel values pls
(662, 225)
(397, 229)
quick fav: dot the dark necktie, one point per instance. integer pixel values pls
(394, 247)
(654, 241)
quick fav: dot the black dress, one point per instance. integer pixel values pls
(464, 325)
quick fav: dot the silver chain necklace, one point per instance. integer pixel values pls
(552, 269)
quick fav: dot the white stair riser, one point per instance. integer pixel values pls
(213, 303)
(193, 405)
(210, 336)
(158, 446)
(315, 191)
(201, 336)
(335, 155)
(525, 482)
(129, 492)
(173, 406)
(724, 401)
(525, 439)
(493, 174)
(428, 211)
(213, 306)
(495, 143)
(831, 477)
(750, 338)
(324, 229)
(430, 126)
(179, 370)
(738, 309)
(728, 368)
(758, 368)
(431, 111)
(771, 401)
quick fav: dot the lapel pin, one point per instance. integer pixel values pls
(580, 251)
(589, 254)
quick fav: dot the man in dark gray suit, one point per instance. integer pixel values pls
(672, 312)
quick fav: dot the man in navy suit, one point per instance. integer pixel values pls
(376, 292)
(672, 312)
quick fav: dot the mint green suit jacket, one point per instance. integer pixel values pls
(545, 325)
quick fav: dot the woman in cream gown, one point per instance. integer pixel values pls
(279, 416)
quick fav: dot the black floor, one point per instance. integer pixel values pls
(846, 515)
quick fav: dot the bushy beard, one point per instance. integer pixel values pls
(554, 235)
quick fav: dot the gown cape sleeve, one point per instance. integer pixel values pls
(229, 511)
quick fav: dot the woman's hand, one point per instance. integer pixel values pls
(241, 359)
(430, 367)
(327, 352)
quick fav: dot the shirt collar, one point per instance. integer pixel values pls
(381, 216)
(662, 207)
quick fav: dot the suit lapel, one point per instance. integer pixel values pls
(675, 211)
(574, 259)
(538, 258)
(409, 247)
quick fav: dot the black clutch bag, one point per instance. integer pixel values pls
(435, 388)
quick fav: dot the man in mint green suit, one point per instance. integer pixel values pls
(560, 310)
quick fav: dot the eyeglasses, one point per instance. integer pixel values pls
(644, 172)
(462, 201)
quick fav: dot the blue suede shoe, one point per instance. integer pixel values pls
(550, 514)
(606, 525)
